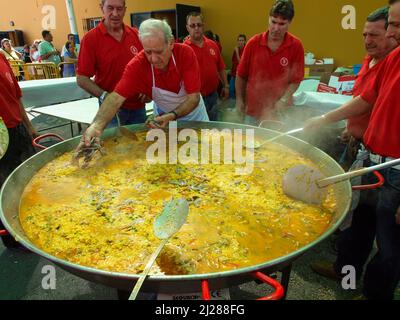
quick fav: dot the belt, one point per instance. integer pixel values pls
(376, 158)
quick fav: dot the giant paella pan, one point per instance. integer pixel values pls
(96, 222)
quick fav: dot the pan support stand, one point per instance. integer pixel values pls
(285, 278)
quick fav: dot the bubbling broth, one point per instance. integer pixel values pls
(102, 216)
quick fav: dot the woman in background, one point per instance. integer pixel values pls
(71, 59)
(237, 54)
(34, 53)
(8, 51)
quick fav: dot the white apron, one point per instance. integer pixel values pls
(167, 101)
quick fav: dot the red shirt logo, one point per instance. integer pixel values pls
(284, 62)
(212, 52)
(134, 50)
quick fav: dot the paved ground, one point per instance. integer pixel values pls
(21, 272)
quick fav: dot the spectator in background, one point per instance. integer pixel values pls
(8, 51)
(46, 49)
(71, 38)
(237, 54)
(34, 53)
(212, 66)
(271, 68)
(26, 56)
(71, 59)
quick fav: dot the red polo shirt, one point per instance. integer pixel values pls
(186, 71)
(10, 94)
(104, 57)
(269, 74)
(210, 62)
(383, 134)
(358, 125)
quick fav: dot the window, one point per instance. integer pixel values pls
(91, 23)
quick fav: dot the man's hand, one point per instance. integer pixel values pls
(225, 93)
(144, 99)
(240, 107)
(315, 123)
(398, 216)
(92, 134)
(160, 121)
(280, 106)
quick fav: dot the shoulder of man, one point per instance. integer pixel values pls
(294, 40)
(132, 29)
(255, 39)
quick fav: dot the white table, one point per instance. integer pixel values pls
(322, 102)
(38, 93)
(81, 111)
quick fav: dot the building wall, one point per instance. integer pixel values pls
(317, 23)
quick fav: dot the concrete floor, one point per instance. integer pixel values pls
(21, 272)
(21, 279)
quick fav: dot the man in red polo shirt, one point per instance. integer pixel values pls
(378, 215)
(271, 68)
(20, 129)
(105, 51)
(378, 46)
(212, 66)
(169, 74)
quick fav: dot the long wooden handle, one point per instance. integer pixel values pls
(146, 271)
(356, 173)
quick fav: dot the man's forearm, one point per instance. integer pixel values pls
(108, 110)
(240, 87)
(189, 105)
(224, 78)
(25, 120)
(355, 107)
(89, 86)
(290, 91)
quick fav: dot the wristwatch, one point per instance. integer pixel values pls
(174, 113)
(103, 97)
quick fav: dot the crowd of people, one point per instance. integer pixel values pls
(126, 67)
(43, 50)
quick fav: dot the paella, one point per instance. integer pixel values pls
(102, 216)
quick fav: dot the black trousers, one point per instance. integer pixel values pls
(375, 218)
(20, 148)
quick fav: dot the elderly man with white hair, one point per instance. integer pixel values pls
(169, 76)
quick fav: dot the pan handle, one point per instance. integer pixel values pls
(3, 233)
(35, 142)
(381, 181)
(279, 292)
(205, 290)
(276, 295)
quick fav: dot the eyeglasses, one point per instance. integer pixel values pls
(194, 25)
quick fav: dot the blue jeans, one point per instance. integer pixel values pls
(375, 218)
(232, 91)
(127, 117)
(211, 105)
